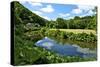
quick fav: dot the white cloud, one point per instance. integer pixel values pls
(35, 4)
(40, 14)
(45, 17)
(47, 9)
(71, 17)
(22, 2)
(85, 7)
(77, 11)
(37, 12)
(90, 12)
(64, 15)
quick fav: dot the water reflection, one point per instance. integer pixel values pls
(66, 49)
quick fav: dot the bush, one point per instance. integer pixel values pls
(84, 37)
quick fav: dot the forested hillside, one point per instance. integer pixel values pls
(26, 16)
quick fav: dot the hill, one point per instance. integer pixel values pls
(24, 15)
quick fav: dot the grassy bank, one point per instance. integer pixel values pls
(76, 31)
(82, 35)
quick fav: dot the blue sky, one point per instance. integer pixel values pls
(51, 11)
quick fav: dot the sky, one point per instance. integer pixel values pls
(51, 11)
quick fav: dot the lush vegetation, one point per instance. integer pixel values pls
(70, 35)
(76, 31)
(88, 22)
(29, 28)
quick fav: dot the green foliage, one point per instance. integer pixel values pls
(87, 22)
(50, 57)
(61, 23)
(84, 37)
(26, 16)
(29, 28)
(52, 33)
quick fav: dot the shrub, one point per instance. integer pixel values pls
(84, 37)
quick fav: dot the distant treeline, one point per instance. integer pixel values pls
(87, 22)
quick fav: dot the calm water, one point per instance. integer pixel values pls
(66, 49)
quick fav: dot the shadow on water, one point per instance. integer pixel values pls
(67, 49)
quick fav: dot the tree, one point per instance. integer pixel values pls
(60, 23)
